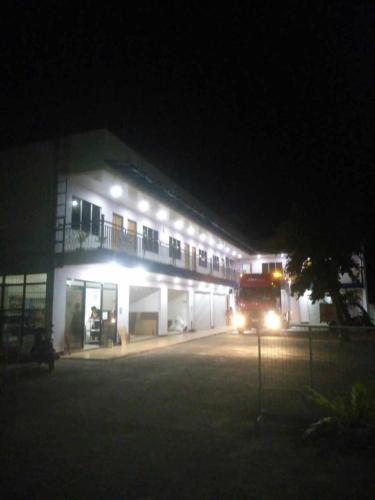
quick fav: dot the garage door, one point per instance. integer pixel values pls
(202, 314)
(219, 310)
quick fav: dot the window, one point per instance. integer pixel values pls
(150, 240)
(202, 258)
(174, 248)
(270, 267)
(229, 263)
(23, 304)
(215, 263)
(85, 216)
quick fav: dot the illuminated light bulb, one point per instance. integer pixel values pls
(116, 191)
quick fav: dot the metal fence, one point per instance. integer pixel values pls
(328, 361)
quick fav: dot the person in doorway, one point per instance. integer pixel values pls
(229, 316)
(95, 315)
(75, 328)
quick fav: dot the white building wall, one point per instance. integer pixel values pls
(150, 303)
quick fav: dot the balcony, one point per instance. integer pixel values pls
(121, 241)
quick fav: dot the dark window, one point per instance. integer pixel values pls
(270, 267)
(202, 258)
(95, 216)
(150, 240)
(85, 216)
(76, 213)
(215, 262)
(174, 248)
(229, 262)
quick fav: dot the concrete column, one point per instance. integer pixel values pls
(58, 309)
(163, 315)
(211, 309)
(123, 305)
(190, 309)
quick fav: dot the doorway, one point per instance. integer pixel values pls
(117, 230)
(193, 258)
(74, 318)
(187, 256)
(131, 236)
(90, 314)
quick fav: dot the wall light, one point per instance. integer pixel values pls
(212, 241)
(240, 255)
(162, 214)
(143, 206)
(202, 237)
(176, 280)
(234, 252)
(116, 191)
(190, 230)
(220, 246)
(259, 256)
(227, 249)
(75, 203)
(179, 224)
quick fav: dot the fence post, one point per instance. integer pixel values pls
(310, 358)
(259, 375)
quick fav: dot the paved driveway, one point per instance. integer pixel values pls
(173, 423)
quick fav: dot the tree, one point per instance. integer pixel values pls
(321, 249)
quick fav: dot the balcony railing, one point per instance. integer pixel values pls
(111, 237)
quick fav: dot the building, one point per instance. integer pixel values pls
(302, 310)
(101, 244)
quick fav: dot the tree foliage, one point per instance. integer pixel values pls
(321, 249)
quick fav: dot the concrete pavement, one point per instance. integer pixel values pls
(120, 351)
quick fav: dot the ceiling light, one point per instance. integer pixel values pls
(162, 214)
(116, 191)
(212, 241)
(202, 237)
(190, 230)
(259, 256)
(176, 280)
(220, 246)
(143, 206)
(234, 252)
(227, 249)
(179, 224)
(75, 203)
(240, 255)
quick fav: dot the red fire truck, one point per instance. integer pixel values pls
(262, 301)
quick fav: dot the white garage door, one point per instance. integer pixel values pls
(202, 311)
(219, 310)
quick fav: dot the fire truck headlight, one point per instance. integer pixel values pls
(239, 320)
(272, 320)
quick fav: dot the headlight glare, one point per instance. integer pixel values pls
(239, 320)
(272, 320)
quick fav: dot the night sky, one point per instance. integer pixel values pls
(253, 108)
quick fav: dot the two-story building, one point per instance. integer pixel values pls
(99, 242)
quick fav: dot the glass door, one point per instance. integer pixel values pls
(74, 317)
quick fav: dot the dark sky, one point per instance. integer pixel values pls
(253, 107)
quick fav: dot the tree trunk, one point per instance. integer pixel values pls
(342, 312)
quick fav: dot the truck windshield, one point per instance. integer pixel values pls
(261, 294)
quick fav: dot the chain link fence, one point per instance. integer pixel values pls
(328, 361)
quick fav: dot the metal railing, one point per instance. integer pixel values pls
(110, 237)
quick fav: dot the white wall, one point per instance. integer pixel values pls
(150, 302)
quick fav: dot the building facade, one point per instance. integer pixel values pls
(106, 246)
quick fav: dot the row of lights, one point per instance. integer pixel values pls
(162, 215)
